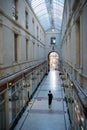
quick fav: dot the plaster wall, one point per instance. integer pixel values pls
(84, 39)
(9, 26)
(57, 46)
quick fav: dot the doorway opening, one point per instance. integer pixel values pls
(53, 61)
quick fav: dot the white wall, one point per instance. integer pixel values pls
(9, 26)
(57, 35)
(70, 50)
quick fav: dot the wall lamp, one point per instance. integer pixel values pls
(71, 84)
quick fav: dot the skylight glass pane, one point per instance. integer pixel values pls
(41, 8)
(42, 12)
(36, 2)
(45, 15)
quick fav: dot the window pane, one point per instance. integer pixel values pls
(2, 113)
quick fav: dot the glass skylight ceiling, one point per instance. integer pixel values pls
(49, 13)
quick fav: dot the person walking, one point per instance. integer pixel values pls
(50, 97)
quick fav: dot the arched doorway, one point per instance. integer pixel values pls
(53, 61)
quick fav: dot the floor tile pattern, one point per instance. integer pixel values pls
(38, 116)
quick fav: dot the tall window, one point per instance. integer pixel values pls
(33, 50)
(15, 47)
(33, 26)
(53, 40)
(37, 32)
(15, 9)
(26, 19)
(40, 34)
(26, 49)
(78, 43)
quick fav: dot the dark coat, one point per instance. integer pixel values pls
(50, 97)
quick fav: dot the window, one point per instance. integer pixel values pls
(33, 26)
(33, 50)
(37, 32)
(15, 103)
(40, 34)
(26, 49)
(2, 112)
(26, 19)
(78, 43)
(53, 40)
(15, 47)
(15, 9)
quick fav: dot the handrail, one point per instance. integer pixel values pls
(76, 83)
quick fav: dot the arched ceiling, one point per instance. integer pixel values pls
(49, 13)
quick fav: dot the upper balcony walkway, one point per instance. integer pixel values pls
(38, 116)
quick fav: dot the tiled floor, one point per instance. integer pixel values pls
(38, 116)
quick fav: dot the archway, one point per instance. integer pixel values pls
(53, 61)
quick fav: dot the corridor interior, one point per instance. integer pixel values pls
(39, 40)
(37, 115)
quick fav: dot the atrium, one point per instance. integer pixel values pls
(43, 46)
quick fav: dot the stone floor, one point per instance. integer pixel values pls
(38, 116)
